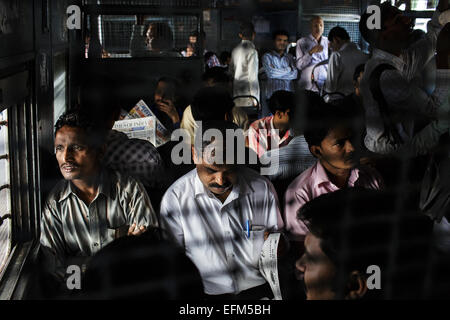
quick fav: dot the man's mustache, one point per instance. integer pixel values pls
(215, 185)
(69, 164)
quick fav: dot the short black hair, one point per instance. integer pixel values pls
(280, 33)
(369, 35)
(247, 29)
(359, 227)
(282, 100)
(338, 32)
(211, 103)
(80, 118)
(224, 127)
(224, 55)
(358, 70)
(217, 74)
(322, 118)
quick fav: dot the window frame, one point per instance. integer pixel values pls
(24, 175)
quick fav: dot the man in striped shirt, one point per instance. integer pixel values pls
(273, 131)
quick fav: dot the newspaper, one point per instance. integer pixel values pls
(142, 110)
(142, 128)
(268, 264)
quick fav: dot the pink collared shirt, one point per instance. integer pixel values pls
(314, 182)
(262, 136)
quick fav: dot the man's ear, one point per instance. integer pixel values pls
(356, 286)
(316, 151)
(194, 155)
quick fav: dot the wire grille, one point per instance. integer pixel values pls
(116, 31)
(160, 3)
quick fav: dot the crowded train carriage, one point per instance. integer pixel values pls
(224, 149)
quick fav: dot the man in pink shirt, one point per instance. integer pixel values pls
(330, 138)
(273, 132)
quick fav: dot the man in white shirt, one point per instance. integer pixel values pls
(345, 58)
(244, 67)
(219, 213)
(310, 51)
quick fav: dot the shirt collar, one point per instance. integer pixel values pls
(278, 55)
(322, 176)
(286, 135)
(103, 187)
(396, 61)
(345, 45)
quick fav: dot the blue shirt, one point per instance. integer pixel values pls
(280, 71)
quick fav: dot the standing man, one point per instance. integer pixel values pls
(244, 66)
(280, 69)
(345, 58)
(398, 103)
(312, 50)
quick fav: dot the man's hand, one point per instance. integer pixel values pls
(316, 49)
(134, 230)
(168, 107)
(443, 48)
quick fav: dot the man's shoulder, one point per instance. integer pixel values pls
(57, 193)
(183, 184)
(255, 180)
(305, 180)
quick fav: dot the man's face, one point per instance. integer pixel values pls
(193, 39)
(397, 28)
(163, 92)
(281, 43)
(358, 84)
(317, 28)
(316, 271)
(335, 44)
(219, 179)
(76, 159)
(337, 149)
(283, 119)
(189, 52)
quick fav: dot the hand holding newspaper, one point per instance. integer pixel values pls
(142, 128)
(268, 264)
(158, 136)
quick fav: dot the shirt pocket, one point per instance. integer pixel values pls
(255, 242)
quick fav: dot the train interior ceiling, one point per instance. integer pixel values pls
(43, 63)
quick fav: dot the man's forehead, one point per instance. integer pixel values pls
(281, 37)
(218, 167)
(72, 134)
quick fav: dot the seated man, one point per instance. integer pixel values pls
(330, 136)
(273, 131)
(219, 213)
(214, 77)
(91, 206)
(154, 40)
(365, 244)
(135, 157)
(167, 103)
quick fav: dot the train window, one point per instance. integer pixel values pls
(59, 85)
(5, 192)
(123, 36)
(416, 5)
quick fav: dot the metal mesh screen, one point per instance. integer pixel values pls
(161, 3)
(116, 31)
